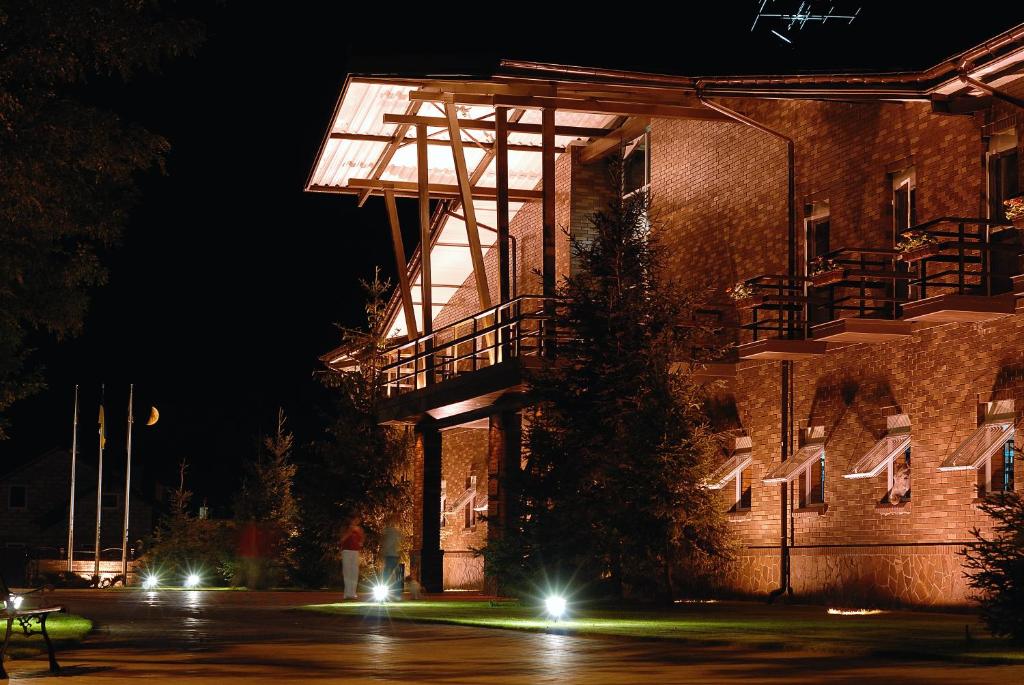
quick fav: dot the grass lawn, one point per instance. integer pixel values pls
(65, 630)
(758, 626)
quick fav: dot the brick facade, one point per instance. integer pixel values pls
(464, 458)
(719, 205)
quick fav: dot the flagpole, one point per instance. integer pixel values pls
(71, 509)
(127, 488)
(99, 494)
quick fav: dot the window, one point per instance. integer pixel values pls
(996, 474)
(891, 454)
(636, 165)
(818, 244)
(17, 497)
(1003, 181)
(736, 470)
(470, 514)
(904, 200)
(743, 490)
(806, 466)
(812, 483)
(444, 501)
(110, 500)
(899, 478)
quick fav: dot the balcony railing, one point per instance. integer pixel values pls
(967, 256)
(516, 329)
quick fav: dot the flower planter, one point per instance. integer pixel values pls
(918, 253)
(750, 302)
(830, 277)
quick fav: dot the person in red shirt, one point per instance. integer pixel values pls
(351, 545)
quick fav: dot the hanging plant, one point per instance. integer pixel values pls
(744, 296)
(825, 271)
(917, 245)
(1014, 209)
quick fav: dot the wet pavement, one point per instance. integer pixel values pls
(236, 637)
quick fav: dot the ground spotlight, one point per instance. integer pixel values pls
(192, 580)
(555, 606)
(150, 582)
(380, 592)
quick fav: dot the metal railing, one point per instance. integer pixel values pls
(518, 328)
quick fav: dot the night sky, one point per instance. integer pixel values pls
(230, 278)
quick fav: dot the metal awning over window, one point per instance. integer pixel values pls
(879, 456)
(982, 444)
(795, 465)
(739, 459)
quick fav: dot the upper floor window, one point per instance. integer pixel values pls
(636, 165)
(818, 226)
(1003, 172)
(17, 497)
(904, 200)
(812, 483)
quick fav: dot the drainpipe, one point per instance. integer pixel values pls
(963, 73)
(786, 381)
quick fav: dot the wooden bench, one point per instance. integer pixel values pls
(24, 617)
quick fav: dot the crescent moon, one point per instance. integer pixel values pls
(154, 416)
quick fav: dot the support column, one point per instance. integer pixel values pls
(503, 453)
(501, 183)
(427, 555)
(548, 224)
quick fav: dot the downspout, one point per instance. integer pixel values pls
(964, 75)
(786, 380)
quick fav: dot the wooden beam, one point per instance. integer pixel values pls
(501, 181)
(411, 189)
(389, 151)
(548, 225)
(402, 268)
(601, 147)
(422, 179)
(487, 125)
(590, 105)
(408, 140)
(462, 174)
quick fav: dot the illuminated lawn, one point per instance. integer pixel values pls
(758, 626)
(65, 630)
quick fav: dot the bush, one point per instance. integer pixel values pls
(995, 567)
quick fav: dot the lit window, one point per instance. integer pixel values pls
(812, 482)
(17, 497)
(995, 475)
(892, 455)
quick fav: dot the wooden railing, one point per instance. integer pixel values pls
(518, 328)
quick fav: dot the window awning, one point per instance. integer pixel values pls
(791, 468)
(982, 444)
(729, 469)
(879, 456)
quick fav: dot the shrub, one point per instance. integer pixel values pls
(995, 567)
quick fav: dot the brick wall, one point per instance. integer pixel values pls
(719, 203)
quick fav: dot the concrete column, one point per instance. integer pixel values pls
(426, 557)
(503, 454)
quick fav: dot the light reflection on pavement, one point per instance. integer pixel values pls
(234, 637)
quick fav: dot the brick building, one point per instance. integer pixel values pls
(877, 382)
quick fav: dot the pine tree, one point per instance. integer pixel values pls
(357, 466)
(617, 444)
(995, 567)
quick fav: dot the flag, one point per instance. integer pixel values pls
(103, 429)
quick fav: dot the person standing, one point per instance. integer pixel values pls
(390, 548)
(351, 546)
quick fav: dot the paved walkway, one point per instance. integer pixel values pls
(236, 637)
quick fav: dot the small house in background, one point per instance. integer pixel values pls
(35, 496)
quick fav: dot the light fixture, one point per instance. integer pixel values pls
(150, 582)
(555, 606)
(13, 602)
(854, 612)
(380, 592)
(192, 580)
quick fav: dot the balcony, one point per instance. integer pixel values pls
(861, 298)
(965, 273)
(467, 365)
(777, 321)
